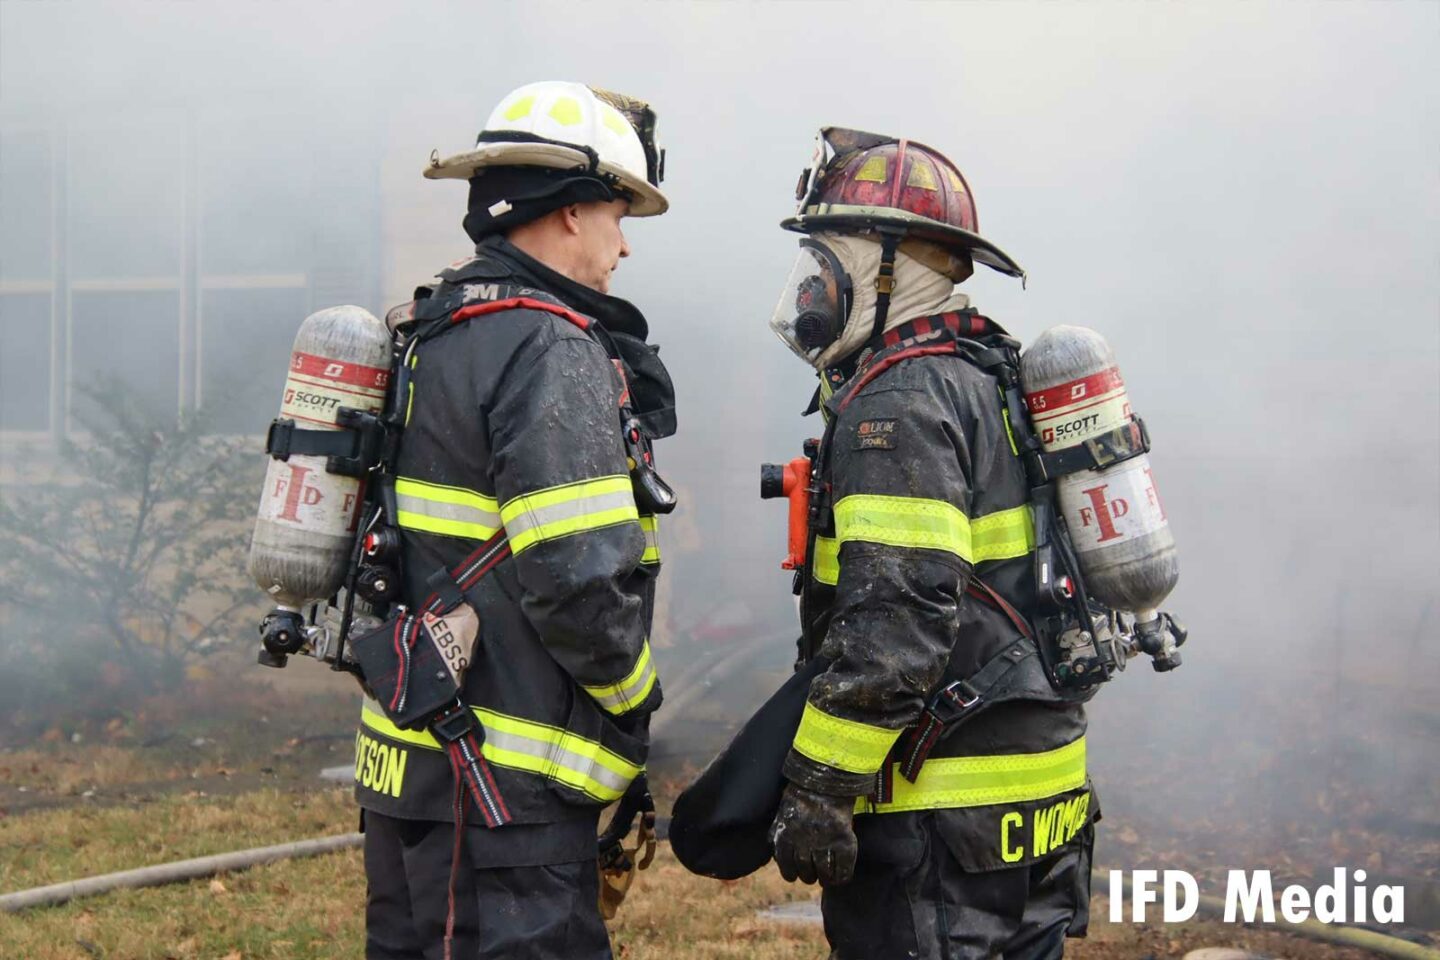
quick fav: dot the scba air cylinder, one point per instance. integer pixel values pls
(305, 526)
(1074, 392)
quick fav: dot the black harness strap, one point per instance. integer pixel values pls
(999, 680)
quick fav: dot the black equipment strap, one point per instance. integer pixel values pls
(445, 591)
(885, 278)
(450, 587)
(285, 440)
(356, 445)
(463, 736)
(1128, 440)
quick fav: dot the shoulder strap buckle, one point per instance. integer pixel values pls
(957, 702)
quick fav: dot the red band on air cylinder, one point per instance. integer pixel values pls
(1075, 391)
(339, 371)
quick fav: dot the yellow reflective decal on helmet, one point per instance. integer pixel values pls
(922, 177)
(612, 119)
(520, 108)
(566, 111)
(873, 170)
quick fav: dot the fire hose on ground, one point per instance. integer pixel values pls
(177, 872)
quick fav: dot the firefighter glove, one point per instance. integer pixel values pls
(814, 838)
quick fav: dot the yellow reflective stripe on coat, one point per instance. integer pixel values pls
(651, 525)
(449, 511)
(1002, 535)
(532, 747)
(949, 782)
(622, 697)
(903, 522)
(410, 389)
(568, 509)
(934, 525)
(844, 744)
(826, 562)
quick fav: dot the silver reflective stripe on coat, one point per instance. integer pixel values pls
(449, 511)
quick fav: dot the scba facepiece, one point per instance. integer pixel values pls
(815, 303)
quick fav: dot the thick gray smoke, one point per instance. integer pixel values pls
(1242, 198)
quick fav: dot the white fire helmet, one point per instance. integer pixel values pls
(563, 125)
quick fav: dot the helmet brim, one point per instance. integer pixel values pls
(645, 199)
(838, 219)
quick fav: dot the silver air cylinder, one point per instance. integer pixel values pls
(1074, 392)
(305, 526)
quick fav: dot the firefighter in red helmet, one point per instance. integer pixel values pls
(934, 838)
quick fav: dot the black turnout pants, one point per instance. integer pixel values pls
(544, 912)
(910, 898)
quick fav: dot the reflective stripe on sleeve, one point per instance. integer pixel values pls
(826, 564)
(530, 747)
(449, 511)
(843, 744)
(903, 522)
(932, 525)
(651, 525)
(622, 697)
(951, 782)
(1003, 535)
(568, 509)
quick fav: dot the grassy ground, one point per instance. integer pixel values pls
(307, 908)
(164, 781)
(310, 909)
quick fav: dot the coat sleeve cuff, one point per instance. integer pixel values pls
(804, 772)
(849, 745)
(638, 689)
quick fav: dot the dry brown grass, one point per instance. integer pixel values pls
(673, 913)
(67, 770)
(309, 908)
(50, 846)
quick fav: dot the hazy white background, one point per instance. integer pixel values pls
(1242, 197)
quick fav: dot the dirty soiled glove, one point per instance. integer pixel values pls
(813, 837)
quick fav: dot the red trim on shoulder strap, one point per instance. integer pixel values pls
(890, 361)
(985, 593)
(518, 303)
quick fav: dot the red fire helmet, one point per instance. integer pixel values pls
(862, 181)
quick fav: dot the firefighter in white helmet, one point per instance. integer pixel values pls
(530, 423)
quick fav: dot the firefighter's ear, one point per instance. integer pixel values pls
(569, 215)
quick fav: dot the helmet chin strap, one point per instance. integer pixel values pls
(885, 278)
